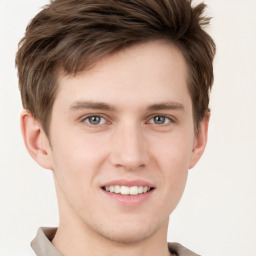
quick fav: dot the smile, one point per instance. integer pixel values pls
(125, 190)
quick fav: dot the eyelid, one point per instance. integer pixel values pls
(103, 116)
(172, 119)
(102, 120)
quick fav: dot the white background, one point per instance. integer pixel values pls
(217, 214)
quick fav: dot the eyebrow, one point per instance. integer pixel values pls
(103, 106)
(91, 105)
(165, 106)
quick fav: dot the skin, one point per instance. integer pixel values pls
(127, 143)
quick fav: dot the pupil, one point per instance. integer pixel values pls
(159, 119)
(94, 119)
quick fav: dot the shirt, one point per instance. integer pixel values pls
(42, 245)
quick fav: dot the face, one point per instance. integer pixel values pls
(122, 141)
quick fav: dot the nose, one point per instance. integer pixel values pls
(129, 148)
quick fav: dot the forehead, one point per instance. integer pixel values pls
(145, 73)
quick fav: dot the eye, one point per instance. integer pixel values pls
(95, 120)
(159, 120)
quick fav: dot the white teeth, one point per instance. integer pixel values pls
(124, 190)
(140, 189)
(117, 189)
(134, 190)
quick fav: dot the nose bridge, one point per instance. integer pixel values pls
(129, 147)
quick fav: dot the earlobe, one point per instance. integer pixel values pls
(35, 140)
(200, 141)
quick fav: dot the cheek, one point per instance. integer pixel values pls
(175, 170)
(174, 176)
(77, 162)
(173, 158)
(77, 150)
(173, 152)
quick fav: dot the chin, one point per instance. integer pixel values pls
(128, 232)
(127, 236)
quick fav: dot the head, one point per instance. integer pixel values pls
(117, 93)
(71, 36)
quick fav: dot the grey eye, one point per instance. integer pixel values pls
(159, 119)
(95, 120)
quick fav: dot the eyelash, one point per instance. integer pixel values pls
(168, 118)
(97, 116)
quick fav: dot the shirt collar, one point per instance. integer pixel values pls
(42, 245)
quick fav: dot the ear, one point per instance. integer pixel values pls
(200, 141)
(35, 140)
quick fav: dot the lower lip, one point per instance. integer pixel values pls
(131, 200)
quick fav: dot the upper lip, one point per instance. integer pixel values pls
(128, 183)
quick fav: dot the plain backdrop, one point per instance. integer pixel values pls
(217, 214)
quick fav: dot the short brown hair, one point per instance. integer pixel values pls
(72, 35)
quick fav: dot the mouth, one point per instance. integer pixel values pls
(126, 190)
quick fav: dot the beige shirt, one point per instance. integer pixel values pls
(42, 245)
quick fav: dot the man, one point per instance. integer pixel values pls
(115, 97)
